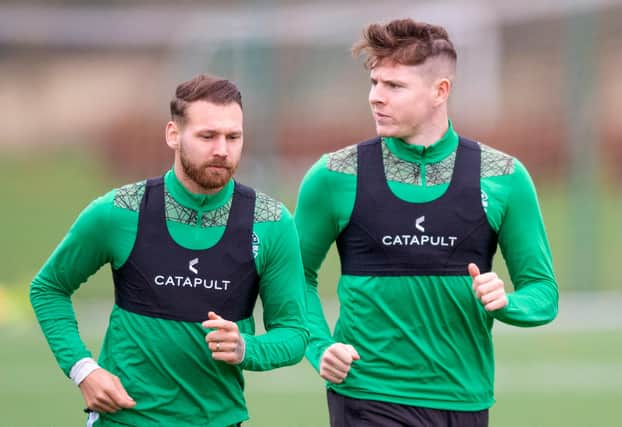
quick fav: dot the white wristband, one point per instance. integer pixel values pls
(81, 369)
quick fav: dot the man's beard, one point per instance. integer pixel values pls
(204, 176)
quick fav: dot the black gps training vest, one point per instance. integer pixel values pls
(387, 236)
(165, 280)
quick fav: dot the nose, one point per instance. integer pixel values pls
(220, 146)
(375, 95)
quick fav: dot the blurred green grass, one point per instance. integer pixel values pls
(555, 378)
(42, 193)
(586, 393)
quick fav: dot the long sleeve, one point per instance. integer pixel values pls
(318, 227)
(525, 248)
(80, 254)
(282, 296)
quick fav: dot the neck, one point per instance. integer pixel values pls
(430, 131)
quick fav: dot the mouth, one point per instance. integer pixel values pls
(217, 170)
(379, 117)
(217, 166)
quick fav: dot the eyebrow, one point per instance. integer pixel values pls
(216, 130)
(393, 81)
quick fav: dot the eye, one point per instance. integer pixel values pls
(393, 85)
(207, 136)
(234, 137)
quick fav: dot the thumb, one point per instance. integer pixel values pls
(353, 352)
(127, 402)
(473, 270)
(122, 398)
(213, 316)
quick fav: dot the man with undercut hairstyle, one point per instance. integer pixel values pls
(417, 214)
(190, 252)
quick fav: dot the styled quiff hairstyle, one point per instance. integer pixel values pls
(203, 88)
(405, 42)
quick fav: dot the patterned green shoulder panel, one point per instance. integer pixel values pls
(267, 209)
(398, 170)
(343, 160)
(178, 213)
(129, 196)
(495, 162)
(217, 217)
(441, 172)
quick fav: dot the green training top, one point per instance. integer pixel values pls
(423, 340)
(166, 365)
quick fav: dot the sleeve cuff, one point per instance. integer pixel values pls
(81, 369)
(242, 363)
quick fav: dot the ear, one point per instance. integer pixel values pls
(442, 87)
(172, 133)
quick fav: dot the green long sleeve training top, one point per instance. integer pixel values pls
(423, 340)
(165, 365)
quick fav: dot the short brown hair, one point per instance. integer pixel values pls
(203, 87)
(405, 42)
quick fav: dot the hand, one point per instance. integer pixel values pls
(225, 342)
(336, 362)
(103, 392)
(489, 289)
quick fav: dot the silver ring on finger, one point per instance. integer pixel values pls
(218, 346)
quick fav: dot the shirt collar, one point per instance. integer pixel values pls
(419, 153)
(196, 201)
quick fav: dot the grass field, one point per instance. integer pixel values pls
(556, 378)
(568, 374)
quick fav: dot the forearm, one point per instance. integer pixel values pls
(320, 335)
(525, 248)
(276, 348)
(532, 305)
(81, 253)
(54, 311)
(282, 296)
(320, 217)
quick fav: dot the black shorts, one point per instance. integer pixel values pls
(349, 412)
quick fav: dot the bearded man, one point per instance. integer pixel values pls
(190, 252)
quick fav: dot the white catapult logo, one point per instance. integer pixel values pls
(196, 282)
(191, 265)
(418, 223)
(419, 238)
